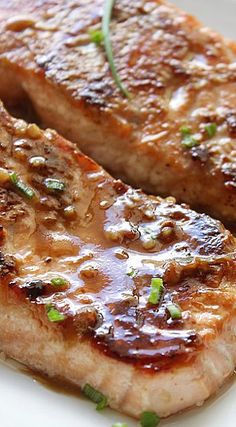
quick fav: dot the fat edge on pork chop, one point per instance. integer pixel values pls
(176, 133)
(103, 285)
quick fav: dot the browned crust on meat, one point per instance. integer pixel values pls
(178, 73)
(25, 335)
(107, 241)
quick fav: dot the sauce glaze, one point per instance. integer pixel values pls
(107, 252)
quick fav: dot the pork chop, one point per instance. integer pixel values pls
(176, 133)
(104, 286)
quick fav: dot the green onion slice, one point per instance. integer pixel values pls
(175, 311)
(149, 419)
(120, 425)
(211, 129)
(58, 281)
(108, 47)
(53, 314)
(96, 36)
(157, 289)
(54, 184)
(21, 186)
(96, 397)
(185, 130)
(132, 272)
(188, 140)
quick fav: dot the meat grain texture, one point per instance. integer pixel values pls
(178, 74)
(63, 217)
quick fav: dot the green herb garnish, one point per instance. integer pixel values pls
(157, 289)
(120, 425)
(53, 314)
(175, 312)
(211, 129)
(149, 419)
(185, 130)
(132, 272)
(96, 36)
(54, 184)
(21, 186)
(188, 140)
(96, 397)
(108, 47)
(58, 281)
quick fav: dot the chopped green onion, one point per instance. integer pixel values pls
(108, 47)
(96, 396)
(149, 419)
(54, 184)
(157, 289)
(120, 425)
(132, 272)
(13, 178)
(188, 140)
(175, 312)
(211, 129)
(53, 314)
(185, 130)
(58, 281)
(21, 186)
(96, 36)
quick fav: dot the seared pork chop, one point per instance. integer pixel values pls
(104, 285)
(176, 133)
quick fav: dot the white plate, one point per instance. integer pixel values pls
(25, 402)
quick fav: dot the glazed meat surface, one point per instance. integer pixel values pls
(79, 251)
(178, 74)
